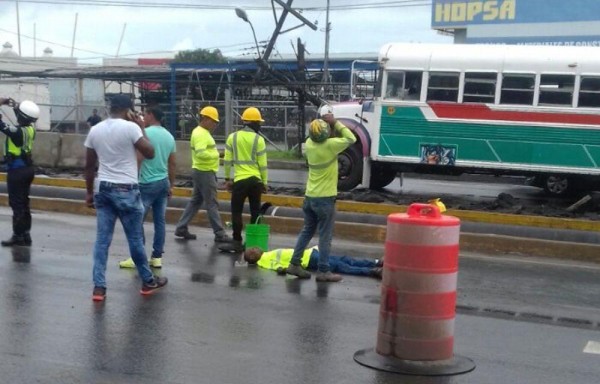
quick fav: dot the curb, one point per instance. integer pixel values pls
(375, 208)
(367, 233)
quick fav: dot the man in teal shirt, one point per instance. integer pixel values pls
(157, 177)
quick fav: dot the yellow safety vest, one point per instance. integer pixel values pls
(14, 151)
(323, 162)
(205, 156)
(280, 258)
(246, 151)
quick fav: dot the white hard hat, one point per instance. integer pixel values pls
(29, 109)
(326, 110)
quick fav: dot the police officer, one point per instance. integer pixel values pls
(246, 152)
(20, 172)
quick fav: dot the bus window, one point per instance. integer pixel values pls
(480, 87)
(394, 88)
(517, 89)
(556, 90)
(443, 86)
(412, 85)
(404, 85)
(589, 92)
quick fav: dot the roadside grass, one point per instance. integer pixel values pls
(283, 155)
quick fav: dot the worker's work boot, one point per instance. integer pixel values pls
(17, 240)
(297, 270)
(184, 234)
(376, 273)
(328, 277)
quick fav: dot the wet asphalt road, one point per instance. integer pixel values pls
(215, 323)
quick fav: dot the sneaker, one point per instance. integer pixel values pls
(328, 277)
(127, 263)
(99, 294)
(184, 234)
(297, 270)
(379, 262)
(153, 286)
(376, 272)
(155, 262)
(223, 238)
(16, 240)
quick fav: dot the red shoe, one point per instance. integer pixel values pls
(156, 284)
(99, 294)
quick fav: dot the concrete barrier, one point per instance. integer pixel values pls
(62, 150)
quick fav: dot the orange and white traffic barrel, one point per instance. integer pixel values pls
(418, 295)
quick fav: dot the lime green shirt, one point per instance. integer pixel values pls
(246, 152)
(323, 164)
(205, 156)
(280, 258)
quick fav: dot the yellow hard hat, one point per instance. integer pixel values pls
(252, 114)
(318, 131)
(210, 112)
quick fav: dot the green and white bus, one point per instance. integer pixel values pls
(495, 109)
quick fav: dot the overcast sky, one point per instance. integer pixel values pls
(161, 32)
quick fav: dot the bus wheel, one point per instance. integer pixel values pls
(557, 185)
(382, 175)
(350, 168)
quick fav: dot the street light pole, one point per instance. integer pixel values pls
(244, 16)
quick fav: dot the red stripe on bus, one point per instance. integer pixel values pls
(483, 112)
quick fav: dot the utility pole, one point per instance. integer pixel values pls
(74, 33)
(326, 58)
(121, 39)
(301, 96)
(287, 8)
(18, 28)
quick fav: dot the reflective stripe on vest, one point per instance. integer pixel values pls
(253, 154)
(277, 257)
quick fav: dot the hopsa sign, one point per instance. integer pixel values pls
(474, 11)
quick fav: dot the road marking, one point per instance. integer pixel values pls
(592, 347)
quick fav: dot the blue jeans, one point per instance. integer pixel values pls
(121, 201)
(155, 196)
(343, 264)
(319, 213)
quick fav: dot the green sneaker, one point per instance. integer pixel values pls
(127, 263)
(155, 262)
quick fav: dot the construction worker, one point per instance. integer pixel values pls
(245, 151)
(279, 260)
(20, 171)
(205, 164)
(322, 151)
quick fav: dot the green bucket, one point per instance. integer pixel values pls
(257, 235)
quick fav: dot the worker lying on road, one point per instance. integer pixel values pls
(279, 259)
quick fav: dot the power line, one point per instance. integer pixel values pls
(179, 5)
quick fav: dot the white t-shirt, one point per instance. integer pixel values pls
(113, 140)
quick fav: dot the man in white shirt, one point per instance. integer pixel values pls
(112, 144)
